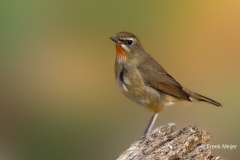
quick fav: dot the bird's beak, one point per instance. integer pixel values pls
(114, 39)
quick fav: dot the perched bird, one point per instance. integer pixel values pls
(144, 81)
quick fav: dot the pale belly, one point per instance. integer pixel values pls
(142, 94)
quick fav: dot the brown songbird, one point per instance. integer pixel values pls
(144, 81)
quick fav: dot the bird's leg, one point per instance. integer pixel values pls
(150, 125)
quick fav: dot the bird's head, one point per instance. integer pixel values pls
(127, 45)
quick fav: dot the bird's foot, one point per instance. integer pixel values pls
(144, 138)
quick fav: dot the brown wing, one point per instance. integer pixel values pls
(156, 77)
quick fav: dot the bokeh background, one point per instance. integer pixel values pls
(58, 95)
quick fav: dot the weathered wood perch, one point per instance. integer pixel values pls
(167, 143)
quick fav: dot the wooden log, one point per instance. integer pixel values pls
(167, 143)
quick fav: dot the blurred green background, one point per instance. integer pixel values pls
(58, 95)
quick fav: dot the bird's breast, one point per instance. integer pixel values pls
(132, 86)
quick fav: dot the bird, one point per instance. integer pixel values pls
(144, 81)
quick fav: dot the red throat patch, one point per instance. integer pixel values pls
(120, 51)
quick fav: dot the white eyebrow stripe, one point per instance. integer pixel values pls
(127, 39)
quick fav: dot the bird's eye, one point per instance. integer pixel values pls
(129, 42)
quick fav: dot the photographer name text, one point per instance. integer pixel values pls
(220, 146)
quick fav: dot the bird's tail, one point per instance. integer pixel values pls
(193, 95)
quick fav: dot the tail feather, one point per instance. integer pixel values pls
(201, 98)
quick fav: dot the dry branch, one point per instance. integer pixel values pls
(167, 143)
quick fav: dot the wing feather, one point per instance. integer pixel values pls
(156, 77)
